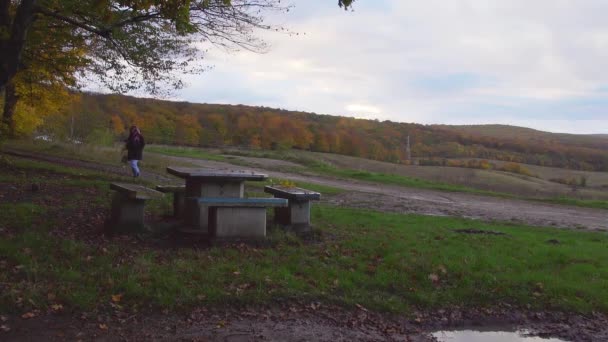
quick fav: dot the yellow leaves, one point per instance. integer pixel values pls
(118, 126)
(29, 315)
(435, 277)
(116, 298)
(287, 183)
(57, 307)
(4, 327)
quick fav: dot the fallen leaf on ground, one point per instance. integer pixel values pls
(360, 307)
(433, 277)
(103, 326)
(3, 318)
(442, 269)
(5, 328)
(57, 307)
(116, 298)
(28, 315)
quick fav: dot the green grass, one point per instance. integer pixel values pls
(400, 180)
(598, 204)
(19, 214)
(187, 152)
(386, 262)
(308, 165)
(381, 261)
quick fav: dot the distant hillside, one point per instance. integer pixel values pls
(506, 132)
(95, 116)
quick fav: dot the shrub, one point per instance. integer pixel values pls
(516, 168)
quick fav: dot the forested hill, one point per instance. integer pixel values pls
(96, 116)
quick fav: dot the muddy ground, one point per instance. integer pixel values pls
(319, 321)
(292, 322)
(404, 200)
(399, 199)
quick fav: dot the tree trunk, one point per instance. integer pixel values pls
(10, 103)
(12, 46)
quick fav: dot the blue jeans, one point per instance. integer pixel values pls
(134, 167)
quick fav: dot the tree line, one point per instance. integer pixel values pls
(97, 117)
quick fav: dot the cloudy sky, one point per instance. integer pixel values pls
(541, 64)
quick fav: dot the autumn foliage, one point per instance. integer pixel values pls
(211, 125)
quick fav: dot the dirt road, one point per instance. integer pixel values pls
(399, 199)
(392, 198)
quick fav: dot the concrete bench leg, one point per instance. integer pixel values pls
(296, 216)
(179, 199)
(230, 223)
(198, 216)
(127, 214)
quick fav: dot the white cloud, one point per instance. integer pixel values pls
(458, 61)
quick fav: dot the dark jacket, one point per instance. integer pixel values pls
(135, 148)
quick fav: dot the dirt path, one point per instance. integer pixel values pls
(430, 202)
(393, 198)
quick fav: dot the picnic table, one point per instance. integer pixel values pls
(204, 183)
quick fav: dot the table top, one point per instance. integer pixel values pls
(136, 191)
(206, 174)
(292, 192)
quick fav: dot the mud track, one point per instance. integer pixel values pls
(405, 200)
(391, 198)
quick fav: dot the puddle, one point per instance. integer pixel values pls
(494, 336)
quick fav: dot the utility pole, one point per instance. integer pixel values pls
(408, 150)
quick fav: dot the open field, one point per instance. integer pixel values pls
(56, 259)
(433, 177)
(380, 191)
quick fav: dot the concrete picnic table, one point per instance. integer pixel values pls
(205, 183)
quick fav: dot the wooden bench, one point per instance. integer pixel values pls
(179, 195)
(238, 218)
(127, 211)
(297, 215)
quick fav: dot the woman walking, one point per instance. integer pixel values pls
(135, 148)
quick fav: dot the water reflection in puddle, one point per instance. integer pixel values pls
(493, 336)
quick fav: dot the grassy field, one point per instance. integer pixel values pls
(483, 182)
(387, 262)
